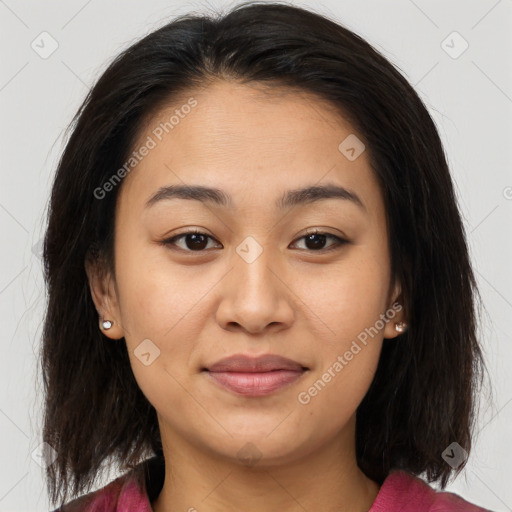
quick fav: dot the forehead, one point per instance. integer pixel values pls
(248, 140)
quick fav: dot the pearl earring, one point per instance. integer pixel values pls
(106, 324)
(400, 327)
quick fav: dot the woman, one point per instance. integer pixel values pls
(259, 284)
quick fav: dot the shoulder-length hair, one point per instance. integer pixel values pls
(423, 396)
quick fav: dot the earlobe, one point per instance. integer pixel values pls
(397, 324)
(105, 300)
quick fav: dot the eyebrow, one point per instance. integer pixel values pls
(299, 196)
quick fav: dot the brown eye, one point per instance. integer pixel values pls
(193, 241)
(316, 240)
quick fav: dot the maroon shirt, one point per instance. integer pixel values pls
(134, 491)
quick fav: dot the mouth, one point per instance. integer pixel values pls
(254, 377)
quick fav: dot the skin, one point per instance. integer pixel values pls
(294, 300)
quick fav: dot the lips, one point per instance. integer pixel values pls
(248, 364)
(255, 376)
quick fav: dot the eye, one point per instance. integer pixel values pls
(316, 239)
(194, 241)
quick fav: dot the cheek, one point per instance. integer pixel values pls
(159, 312)
(155, 296)
(338, 386)
(346, 299)
(349, 302)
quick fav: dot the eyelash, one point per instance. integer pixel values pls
(338, 241)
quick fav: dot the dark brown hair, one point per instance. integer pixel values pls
(423, 396)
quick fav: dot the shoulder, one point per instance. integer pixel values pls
(408, 493)
(123, 494)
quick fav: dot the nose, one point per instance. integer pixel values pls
(255, 297)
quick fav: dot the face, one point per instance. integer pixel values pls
(255, 280)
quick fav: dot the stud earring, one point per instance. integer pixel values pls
(106, 324)
(400, 327)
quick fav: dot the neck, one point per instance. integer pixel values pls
(327, 479)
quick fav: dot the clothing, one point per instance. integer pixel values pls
(135, 490)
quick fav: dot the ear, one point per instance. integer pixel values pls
(104, 296)
(395, 311)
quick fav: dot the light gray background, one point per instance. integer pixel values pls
(469, 97)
